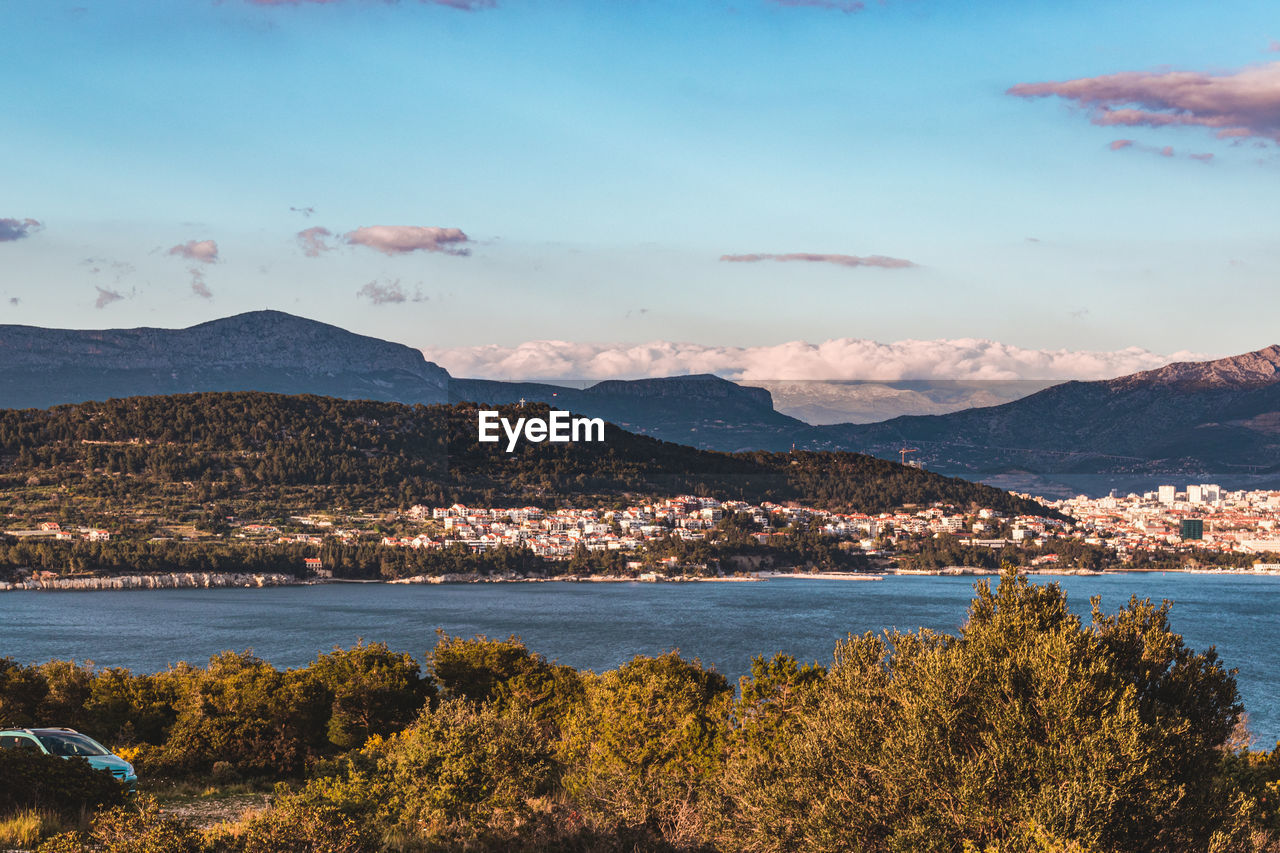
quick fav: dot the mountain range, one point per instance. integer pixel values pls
(1191, 418)
(258, 351)
(1188, 419)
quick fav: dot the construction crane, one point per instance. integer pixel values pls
(904, 451)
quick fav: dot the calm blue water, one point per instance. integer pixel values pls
(599, 626)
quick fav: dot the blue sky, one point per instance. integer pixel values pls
(600, 158)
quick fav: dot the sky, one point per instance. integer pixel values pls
(895, 188)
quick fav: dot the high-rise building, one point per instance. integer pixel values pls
(1195, 494)
(1167, 494)
(1191, 528)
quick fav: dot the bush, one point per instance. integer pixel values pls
(244, 712)
(644, 748)
(464, 769)
(21, 692)
(461, 771)
(1028, 725)
(131, 829)
(507, 674)
(375, 692)
(295, 827)
(29, 779)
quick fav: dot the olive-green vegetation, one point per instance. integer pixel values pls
(32, 780)
(196, 458)
(237, 717)
(134, 557)
(944, 550)
(1029, 729)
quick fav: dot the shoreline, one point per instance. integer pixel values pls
(177, 580)
(233, 580)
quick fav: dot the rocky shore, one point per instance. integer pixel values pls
(179, 580)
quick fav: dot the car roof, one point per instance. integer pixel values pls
(45, 731)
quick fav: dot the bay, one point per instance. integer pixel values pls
(598, 626)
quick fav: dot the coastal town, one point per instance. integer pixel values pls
(1203, 516)
(1201, 522)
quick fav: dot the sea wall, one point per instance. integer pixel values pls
(177, 580)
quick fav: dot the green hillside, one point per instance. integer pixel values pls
(195, 451)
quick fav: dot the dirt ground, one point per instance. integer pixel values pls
(209, 811)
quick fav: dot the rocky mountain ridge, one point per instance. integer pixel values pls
(1187, 419)
(1250, 370)
(1194, 418)
(260, 350)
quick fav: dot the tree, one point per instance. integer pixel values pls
(464, 770)
(375, 691)
(22, 689)
(505, 673)
(644, 748)
(1027, 725)
(243, 711)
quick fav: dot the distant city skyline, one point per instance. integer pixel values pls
(762, 188)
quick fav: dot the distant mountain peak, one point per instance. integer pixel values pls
(1249, 370)
(698, 385)
(265, 317)
(255, 351)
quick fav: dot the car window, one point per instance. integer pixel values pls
(71, 744)
(18, 742)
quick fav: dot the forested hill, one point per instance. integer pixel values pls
(308, 450)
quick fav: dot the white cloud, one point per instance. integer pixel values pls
(403, 239)
(204, 251)
(841, 358)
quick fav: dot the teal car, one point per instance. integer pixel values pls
(69, 743)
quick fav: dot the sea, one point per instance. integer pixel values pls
(599, 626)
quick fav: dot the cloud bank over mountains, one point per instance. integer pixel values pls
(841, 358)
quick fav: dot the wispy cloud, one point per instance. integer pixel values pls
(842, 358)
(18, 229)
(838, 5)
(403, 239)
(106, 297)
(118, 270)
(198, 285)
(390, 293)
(204, 251)
(314, 241)
(1163, 151)
(1241, 104)
(840, 260)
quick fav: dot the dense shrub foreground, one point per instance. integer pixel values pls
(1031, 730)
